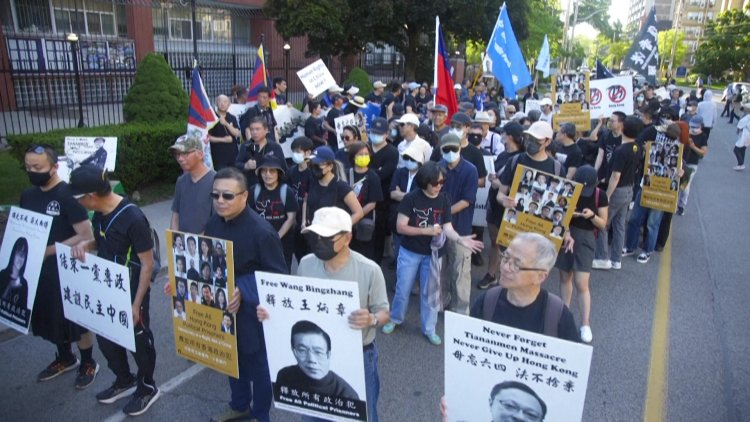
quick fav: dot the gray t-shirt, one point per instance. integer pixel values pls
(366, 273)
(192, 202)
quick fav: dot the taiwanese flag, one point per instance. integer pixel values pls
(201, 116)
(444, 94)
(260, 79)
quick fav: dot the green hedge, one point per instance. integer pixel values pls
(142, 149)
(156, 94)
(358, 77)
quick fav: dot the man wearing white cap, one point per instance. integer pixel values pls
(492, 143)
(546, 105)
(376, 96)
(408, 125)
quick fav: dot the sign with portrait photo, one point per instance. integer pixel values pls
(660, 183)
(96, 295)
(315, 358)
(572, 93)
(544, 204)
(21, 257)
(201, 275)
(100, 151)
(496, 373)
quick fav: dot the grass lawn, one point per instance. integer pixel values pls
(13, 179)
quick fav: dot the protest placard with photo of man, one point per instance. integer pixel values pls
(660, 173)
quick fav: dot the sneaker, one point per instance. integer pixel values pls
(434, 339)
(117, 391)
(644, 257)
(680, 211)
(486, 282)
(601, 264)
(140, 402)
(389, 327)
(231, 415)
(477, 260)
(86, 374)
(56, 368)
(616, 265)
(738, 168)
(627, 252)
(586, 335)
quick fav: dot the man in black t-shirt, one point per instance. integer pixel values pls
(569, 154)
(314, 125)
(224, 135)
(608, 141)
(122, 235)
(694, 152)
(329, 123)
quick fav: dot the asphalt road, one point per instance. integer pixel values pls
(695, 366)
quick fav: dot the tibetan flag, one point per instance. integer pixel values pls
(260, 79)
(444, 93)
(508, 64)
(201, 116)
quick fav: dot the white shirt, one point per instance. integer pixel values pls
(707, 110)
(420, 144)
(492, 143)
(743, 140)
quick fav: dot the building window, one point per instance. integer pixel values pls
(84, 17)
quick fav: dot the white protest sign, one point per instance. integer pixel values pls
(532, 105)
(96, 295)
(21, 255)
(290, 124)
(610, 95)
(318, 370)
(99, 151)
(237, 110)
(340, 123)
(662, 93)
(316, 78)
(480, 205)
(531, 368)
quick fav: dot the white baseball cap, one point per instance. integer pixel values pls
(409, 118)
(540, 130)
(545, 101)
(329, 221)
(378, 84)
(353, 90)
(457, 86)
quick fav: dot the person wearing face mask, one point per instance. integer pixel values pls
(491, 143)
(299, 178)
(408, 125)
(314, 124)
(383, 161)
(693, 153)
(258, 147)
(366, 186)
(70, 224)
(461, 125)
(402, 183)
(692, 110)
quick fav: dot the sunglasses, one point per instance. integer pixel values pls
(227, 196)
(36, 149)
(347, 138)
(449, 149)
(435, 184)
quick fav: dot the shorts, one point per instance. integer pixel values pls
(583, 252)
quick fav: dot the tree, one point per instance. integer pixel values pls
(725, 47)
(156, 94)
(544, 19)
(666, 40)
(595, 13)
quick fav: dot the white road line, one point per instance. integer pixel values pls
(165, 388)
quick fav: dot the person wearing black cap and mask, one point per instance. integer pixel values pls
(383, 162)
(568, 152)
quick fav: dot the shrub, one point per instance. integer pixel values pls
(156, 94)
(359, 78)
(142, 149)
(693, 77)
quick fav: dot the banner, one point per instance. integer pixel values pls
(532, 104)
(643, 56)
(480, 205)
(494, 372)
(341, 122)
(544, 204)
(81, 150)
(573, 94)
(22, 254)
(290, 124)
(316, 78)
(660, 184)
(201, 273)
(610, 95)
(315, 359)
(96, 295)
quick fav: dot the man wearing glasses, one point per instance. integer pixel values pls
(514, 401)
(257, 247)
(189, 215)
(408, 125)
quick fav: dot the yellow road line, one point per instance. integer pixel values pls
(656, 392)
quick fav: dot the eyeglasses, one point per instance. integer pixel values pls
(316, 352)
(347, 138)
(450, 149)
(227, 196)
(515, 264)
(435, 184)
(512, 407)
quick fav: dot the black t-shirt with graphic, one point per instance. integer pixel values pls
(423, 212)
(300, 180)
(59, 204)
(326, 196)
(624, 161)
(608, 142)
(268, 204)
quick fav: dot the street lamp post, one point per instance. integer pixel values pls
(74, 46)
(287, 51)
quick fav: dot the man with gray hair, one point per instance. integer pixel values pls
(519, 301)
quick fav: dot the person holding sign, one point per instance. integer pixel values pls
(122, 235)
(70, 225)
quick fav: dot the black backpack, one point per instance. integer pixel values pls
(552, 312)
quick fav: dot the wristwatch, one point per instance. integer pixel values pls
(374, 322)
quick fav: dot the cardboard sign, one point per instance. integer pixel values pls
(316, 78)
(21, 255)
(96, 295)
(610, 95)
(572, 110)
(480, 205)
(532, 104)
(660, 183)
(201, 272)
(305, 315)
(522, 369)
(98, 151)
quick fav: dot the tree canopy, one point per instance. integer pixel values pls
(725, 46)
(666, 40)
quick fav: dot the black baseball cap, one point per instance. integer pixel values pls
(88, 179)
(586, 175)
(379, 126)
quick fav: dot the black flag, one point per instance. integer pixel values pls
(643, 56)
(602, 72)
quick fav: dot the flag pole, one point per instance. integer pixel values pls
(435, 65)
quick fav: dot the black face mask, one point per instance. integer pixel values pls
(38, 179)
(532, 147)
(317, 172)
(475, 139)
(322, 247)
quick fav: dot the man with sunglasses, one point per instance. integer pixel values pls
(408, 125)
(257, 247)
(189, 215)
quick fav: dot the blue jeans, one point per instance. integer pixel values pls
(411, 265)
(638, 216)
(396, 244)
(254, 385)
(372, 385)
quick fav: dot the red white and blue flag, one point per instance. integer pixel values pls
(444, 93)
(260, 79)
(201, 116)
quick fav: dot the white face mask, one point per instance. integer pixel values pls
(458, 132)
(411, 165)
(377, 139)
(451, 156)
(639, 98)
(394, 133)
(298, 157)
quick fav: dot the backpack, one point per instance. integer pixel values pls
(282, 192)
(156, 250)
(552, 312)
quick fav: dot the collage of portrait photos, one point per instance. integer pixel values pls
(544, 196)
(663, 161)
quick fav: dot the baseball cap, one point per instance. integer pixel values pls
(409, 118)
(353, 90)
(413, 86)
(335, 88)
(457, 86)
(88, 179)
(439, 108)
(586, 175)
(569, 129)
(482, 117)
(271, 161)
(378, 84)
(322, 155)
(461, 118)
(328, 221)
(540, 130)
(545, 101)
(696, 122)
(187, 143)
(450, 139)
(379, 126)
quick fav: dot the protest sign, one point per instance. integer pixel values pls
(237, 110)
(201, 273)
(96, 295)
(544, 204)
(522, 369)
(610, 95)
(316, 78)
(98, 151)
(315, 359)
(572, 108)
(660, 184)
(341, 122)
(22, 253)
(370, 112)
(532, 104)
(480, 205)
(290, 124)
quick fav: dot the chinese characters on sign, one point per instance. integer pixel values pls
(643, 56)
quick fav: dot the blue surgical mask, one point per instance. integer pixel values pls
(411, 165)
(451, 156)
(377, 139)
(394, 133)
(298, 157)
